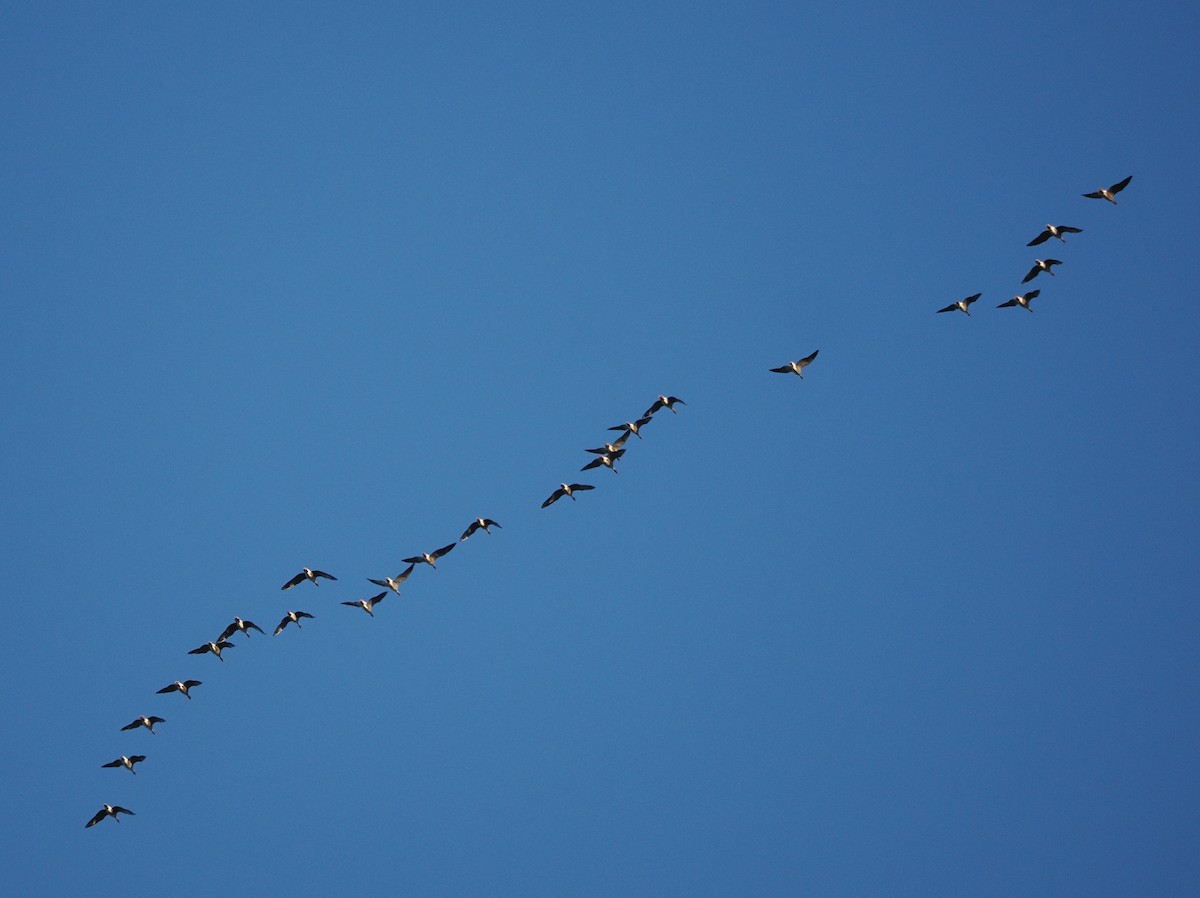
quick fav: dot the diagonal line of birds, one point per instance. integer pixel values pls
(606, 455)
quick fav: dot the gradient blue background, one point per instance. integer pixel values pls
(302, 284)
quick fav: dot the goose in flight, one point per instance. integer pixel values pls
(215, 647)
(632, 427)
(1040, 265)
(961, 305)
(430, 558)
(109, 810)
(611, 448)
(367, 604)
(667, 402)
(1022, 301)
(393, 583)
(126, 762)
(239, 625)
(796, 367)
(180, 687)
(143, 721)
(566, 489)
(307, 574)
(483, 524)
(607, 459)
(292, 617)
(1109, 193)
(1054, 231)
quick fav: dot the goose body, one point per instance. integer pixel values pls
(430, 558)
(483, 524)
(239, 626)
(215, 647)
(797, 367)
(368, 604)
(1109, 193)
(667, 402)
(566, 489)
(607, 459)
(109, 810)
(307, 574)
(1054, 231)
(143, 721)
(182, 687)
(1040, 265)
(962, 305)
(292, 617)
(632, 427)
(393, 583)
(1022, 301)
(127, 762)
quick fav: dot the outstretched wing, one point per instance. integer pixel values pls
(1120, 185)
(1009, 304)
(475, 525)
(299, 578)
(323, 574)
(229, 631)
(444, 550)
(1040, 238)
(100, 815)
(950, 308)
(554, 497)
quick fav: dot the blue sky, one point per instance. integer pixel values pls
(300, 284)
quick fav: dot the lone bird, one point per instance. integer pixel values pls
(126, 762)
(480, 524)
(1040, 265)
(633, 426)
(143, 721)
(393, 583)
(607, 459)
(961, 305)
(239, 626)
(797, 367)
(430, 558)
(307, 574)
(1022, 301)
(292, 617)
(667, 402)
(367, 604)
(1054, 231)
(109, 810)
(180, 687)
(566, 489)
(1109, 193)
(215, 647)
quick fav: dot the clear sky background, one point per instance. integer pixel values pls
(317, 284)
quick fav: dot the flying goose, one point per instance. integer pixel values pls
(180, 687)
(307, 574)
(1054, 231)
(633, 426)
(1022, 301)
(215, 647)
(607, 459)
(480, 524)
(430, 558)
(1109, 193)
(566, 489)
(1040, 265)
(610, 448)
(109, 810)
(367, 604)
(796, 367)
(126, 762)
(668, 402)
(961, 305)
(292, 617)
(393, 583)
(143, 721)
(239, 625)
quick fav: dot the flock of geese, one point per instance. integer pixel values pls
(1039, 265)
(606, 456)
